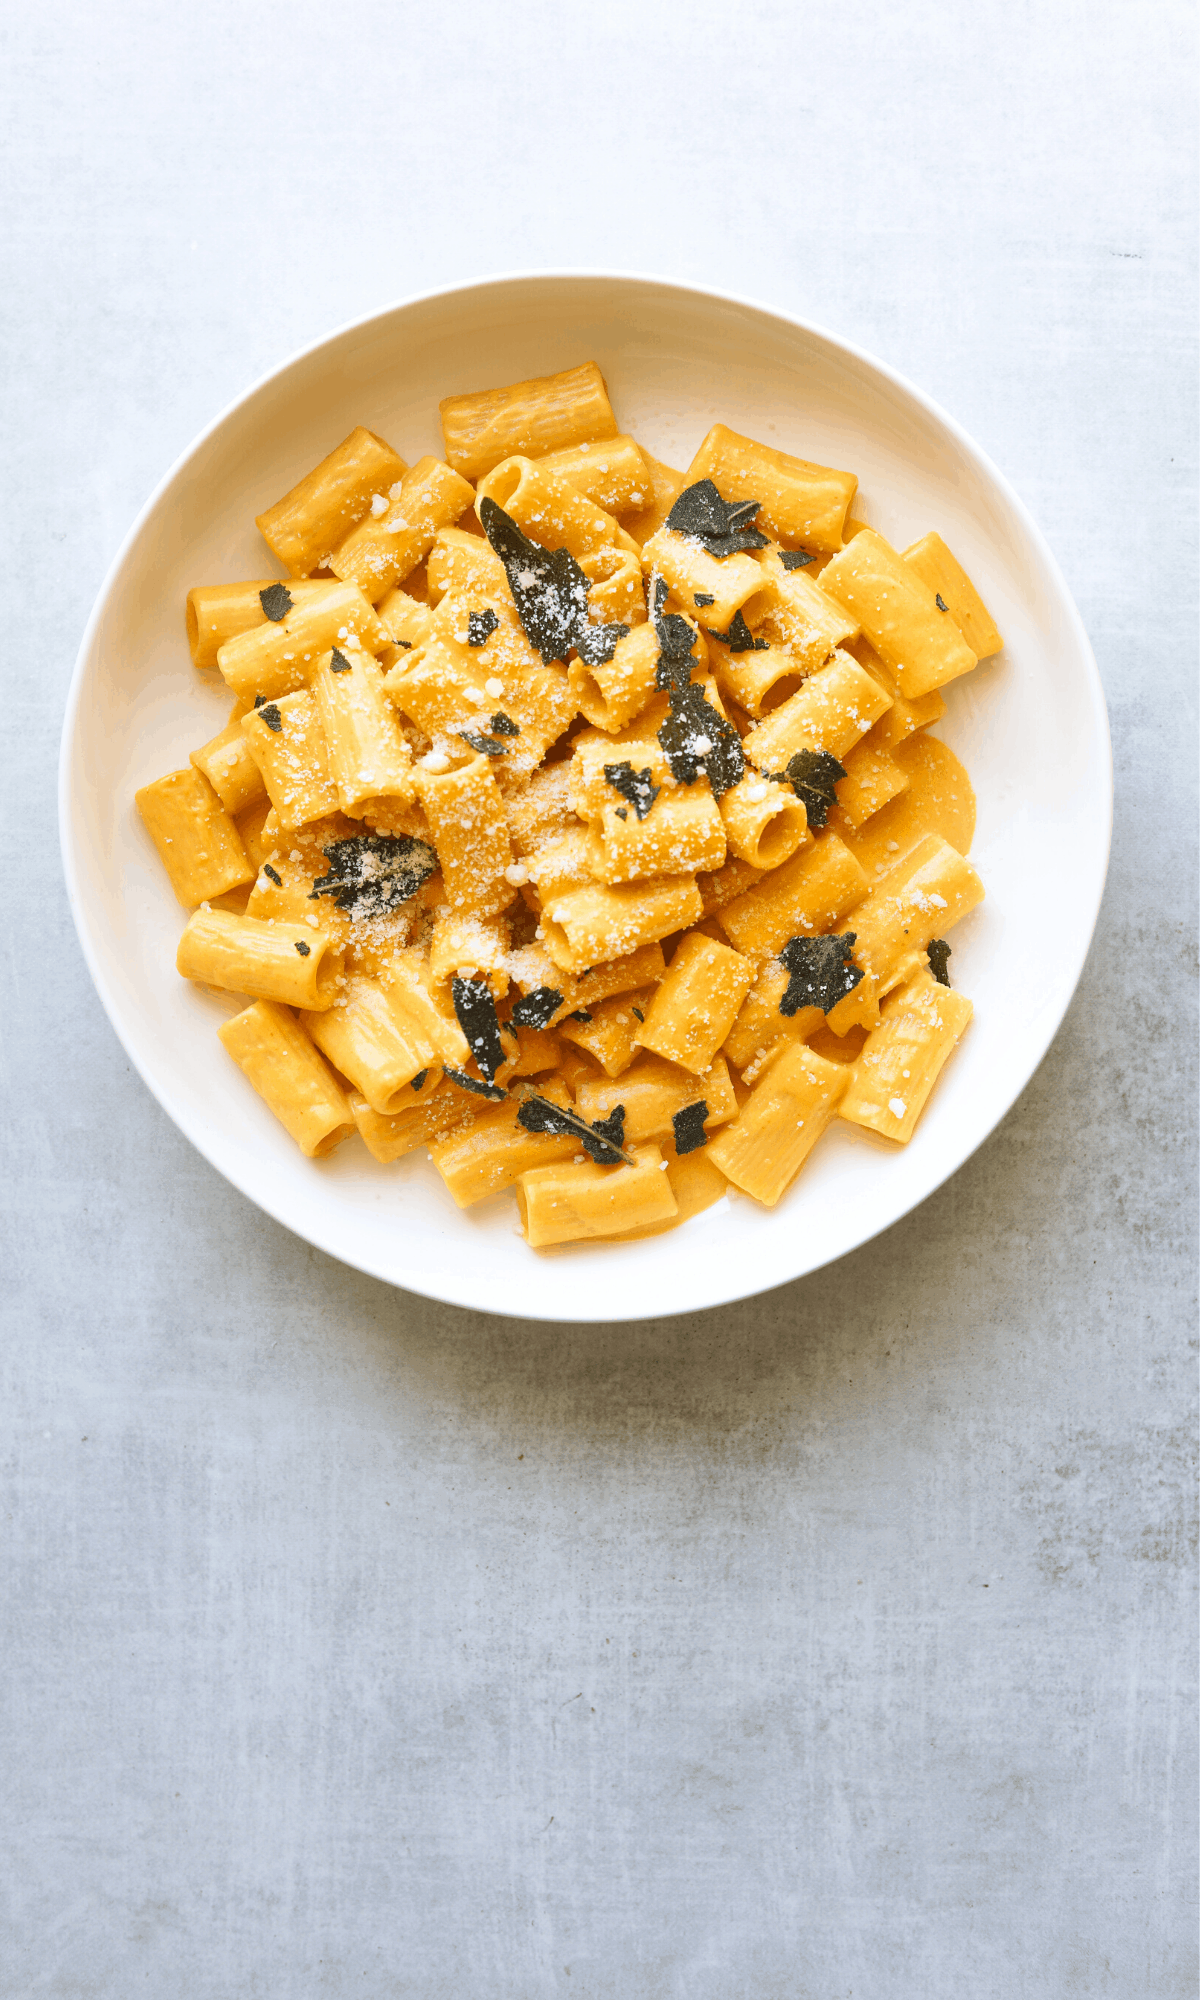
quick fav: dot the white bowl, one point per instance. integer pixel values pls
(1030, 725)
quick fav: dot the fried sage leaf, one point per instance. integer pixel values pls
(462, 1081)
(740, 639)
(550, 592)
(812, 775)
(537, 1009)
(488, 746)
(722, 526)
(475, 1006)
(937, 951)
(371, 873)
(695, 738)
(689, 1127)
(603, 1140)
(675, 640)
(480, 626)
(276, 601)
(635, 786)
(821, 972)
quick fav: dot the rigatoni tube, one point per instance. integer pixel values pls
(367, 756)
(653, 1091)
(294, 1081)
(569, 1204)
(373, 1038)
(764, 823)
(682, 833)
(587, 924)
(611, 472)
(722, 586)
(903, 1057)
(388, 1136)
(947, 578)
(387, 548)
(227, 764)
(899, 614)
(470, 833)
(799, 503)
(287, 742)
(547, 413)
(613, 691)
(275, 659)
(217, 612)
(768, 1142)
(922, 897)
(319, 512)
(807, 895)
(697, 1003)
(550, 510)
(195, 836)
(833, 709)
(493, 1150)
(269, 960)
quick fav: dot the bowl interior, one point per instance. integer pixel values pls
(1030, 726)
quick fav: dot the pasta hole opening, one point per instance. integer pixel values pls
(781, 836)
(757, 606)
(400, 1099)
(502, 484)
(594, 702)
(557, 943)
(193, 628)
(331, 1140)
(602, 565)
(780, 691)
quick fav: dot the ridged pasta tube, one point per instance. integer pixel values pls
(319, 512)
(800, 504)
(294, 1081)
(548, 413)
(196, 839)
(898, 613)
(268, 960)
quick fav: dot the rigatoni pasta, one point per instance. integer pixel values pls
(578, 819)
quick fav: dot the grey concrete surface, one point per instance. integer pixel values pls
(835, 1644)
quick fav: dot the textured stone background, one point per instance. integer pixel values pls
(834, 1644)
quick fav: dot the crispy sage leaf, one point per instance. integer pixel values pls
(475, 1006)
(371, 873)
(633, 785)
(480, 626)
(812, 775)
(694, 738)
(937, 951)
(603, 1140)
(492, 1091)
(537, 1009)
(550, 592)
(740, 639)
(488, 746)
(276, 601)
(722, 526)
(689, 1127)
(821, 972)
